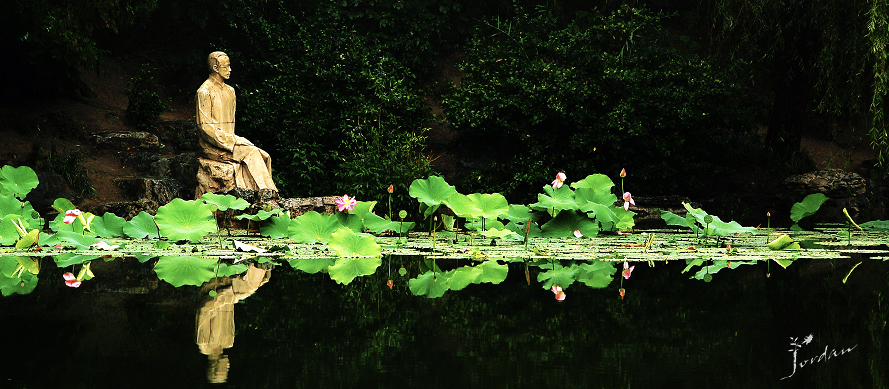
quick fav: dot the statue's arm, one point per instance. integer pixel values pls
(209, 125)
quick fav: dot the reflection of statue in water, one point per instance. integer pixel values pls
(229, 161)
(216, 318)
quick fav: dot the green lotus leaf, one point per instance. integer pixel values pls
(566, 222)
(625, 219)
(108, 226)
(810, 204)
(224, 202)
(597, 274)
(81, 242)
(476, 225)
(8, 233)
(311, 265)
(604, 215)
(260, 215)
(312, 227)
(498, 233)
(555, 274)
(717, 226)
(11, 205)
(429, 284)
(346, 243)
(876, 225)
(362, 208)
(378, 224)
(520, 214)
(185, 270)
(784, 262)
(585, 196)
(276, 227)
(353, 222)
(141, 226)
(555, 199)
(70, 259)
(17, 181)
(28, 240)
(597, 182)
(519, 229)
(347, 268)
(62, 205)
(717, 266)
(18, 285)
(181, 219)
(476, 205)
(432, 191)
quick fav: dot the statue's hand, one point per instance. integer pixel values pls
(240, 141)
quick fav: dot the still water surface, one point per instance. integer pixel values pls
(292, 329)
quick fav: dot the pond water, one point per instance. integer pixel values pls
(280, 328)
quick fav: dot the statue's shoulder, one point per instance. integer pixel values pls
(206, 87)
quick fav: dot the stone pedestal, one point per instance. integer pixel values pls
(214, 176)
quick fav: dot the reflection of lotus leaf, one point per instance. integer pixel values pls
(21, 285)
(561, 276)
(17, 181)
(564, 224)
(108, 226)
(226, 270)
(597, 274)
(558, 199)
(311, 265)
(140, 226)
(69, 259)
(225, 202)
(720, 264)
(461, 277)
(312, 227)
(427, 284)
(347, 268)
(8, 266)
(181, 219)
(185, 270)
(348, 244)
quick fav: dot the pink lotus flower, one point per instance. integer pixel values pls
(628, 199)
(71, 215)
(105, 246)
(578, 234)
(560, 179)
(627, 270)
(345, 203)
(70, 280)
(557, 290)
(623, 173)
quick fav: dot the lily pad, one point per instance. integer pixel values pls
(312, 227)
(566, 222)
(181, 219)
(346, 243)
(555, 199)
(807, 207)
(141, 226)
(185, 270)
(276, 227)
(224, 202)
(108, 226)
(17, 181)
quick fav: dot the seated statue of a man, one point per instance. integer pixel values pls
(252, 167)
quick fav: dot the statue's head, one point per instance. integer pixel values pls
(218, 62)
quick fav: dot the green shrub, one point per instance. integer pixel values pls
(68, 164)
(145, 105)
(596, 94)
